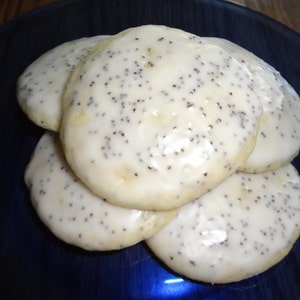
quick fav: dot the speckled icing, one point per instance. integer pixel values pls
(239, 229)
(76, 215)
(156, 116)
(41, 85)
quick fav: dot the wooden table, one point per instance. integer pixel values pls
(284, 11)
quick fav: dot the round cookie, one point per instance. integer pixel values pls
(41, 85)
(278, 140)
(156, 116)
(76, 215)
(239, 229)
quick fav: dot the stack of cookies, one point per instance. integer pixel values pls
(157, 134)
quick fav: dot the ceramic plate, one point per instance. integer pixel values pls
(34, 264)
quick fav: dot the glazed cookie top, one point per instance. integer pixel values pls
(156, 116)
(41, 85)
(239, 229)
(73, 213)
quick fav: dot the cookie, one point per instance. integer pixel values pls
(76, 215)
(239, 229)
(41, 85)
(278, 139)
(156, 116)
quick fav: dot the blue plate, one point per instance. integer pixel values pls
(34, 264)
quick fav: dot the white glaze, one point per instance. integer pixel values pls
(73, 213)
(239, 229)
(158, 116)
(41, 85)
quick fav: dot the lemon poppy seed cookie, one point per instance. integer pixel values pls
(158, 116)
(76, 215)
(278, 139)
(239, 229)
(41, 85)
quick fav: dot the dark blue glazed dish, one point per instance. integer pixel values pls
(33, 263)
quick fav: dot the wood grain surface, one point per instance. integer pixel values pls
(284, 11)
